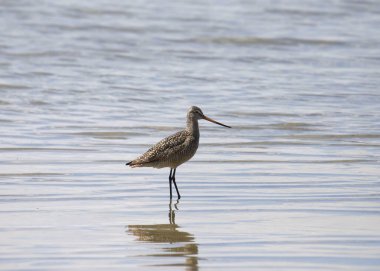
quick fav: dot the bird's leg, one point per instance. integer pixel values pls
(175, 184)
(176, 204)
(170, 183)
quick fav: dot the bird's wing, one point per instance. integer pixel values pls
(162, 149)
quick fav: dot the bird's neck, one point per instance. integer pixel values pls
(192, 126)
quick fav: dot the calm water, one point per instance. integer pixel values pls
(86, 87)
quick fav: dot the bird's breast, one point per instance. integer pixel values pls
(186, 152)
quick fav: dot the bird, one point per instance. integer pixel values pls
(175, 149)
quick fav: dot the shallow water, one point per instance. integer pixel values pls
(86, 87)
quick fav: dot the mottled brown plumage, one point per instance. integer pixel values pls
(176, 149)
(171, 152)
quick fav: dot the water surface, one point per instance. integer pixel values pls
(86, 87)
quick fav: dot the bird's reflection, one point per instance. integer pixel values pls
(178, 244)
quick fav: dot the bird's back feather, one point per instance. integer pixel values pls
(169, 152)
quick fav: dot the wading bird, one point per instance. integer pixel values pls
(176, 149)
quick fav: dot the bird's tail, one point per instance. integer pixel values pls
(134, 163)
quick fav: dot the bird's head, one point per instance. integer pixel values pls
(196, 113)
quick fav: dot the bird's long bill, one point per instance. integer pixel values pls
(214, 121)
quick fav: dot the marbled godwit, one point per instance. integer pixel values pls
(176, 149)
